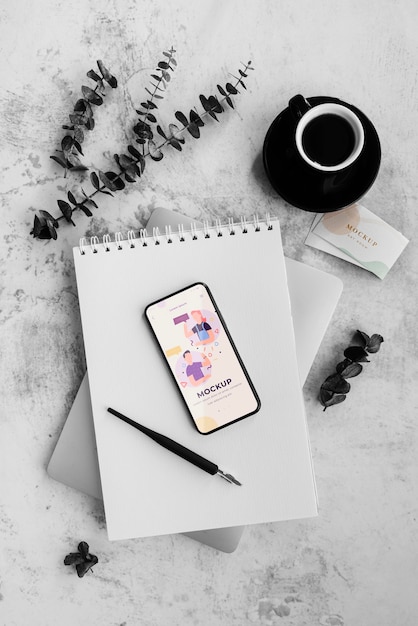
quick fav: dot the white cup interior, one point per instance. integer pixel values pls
(345, 113)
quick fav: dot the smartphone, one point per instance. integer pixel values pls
(202, 358)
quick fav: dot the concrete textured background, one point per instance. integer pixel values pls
(354, 565)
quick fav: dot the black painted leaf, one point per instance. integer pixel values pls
(151, 118)
(221, 90)
(175, 143)
(195, 118)
(129, 178)
(231, 89)
(325, 395)
(74, 558)
(212, 114)
(79, 167)
(92, 74)
(67, 143)
(79, 119)
(44, 226)
(336, 383)
(85, 209)
(154, 152)
(242, 84)
(77, 146)
(111, 80)
(243, 73)
(91, 202)
(141, 161)
(85, 566)
(356, 353)
(204, 102)
(107, 182)
(78, 134)
(48, 217)
(89, 123)
(52, 231)
(229, 101)
(91, 96)
(116, 183)
(327, 398)
(161, 132)
(95, 180)
(348, 369)
(66, 210)
(143, 130)
(59, 161)
(134, 152)
(174, 130)
(163, 65)
(194, 130)
(81, 106)
(125, 161)
(215, 104)
(38, 225)
(71, 198)
(374, 343)
(363, 338)
(181, 118)
(73, 161)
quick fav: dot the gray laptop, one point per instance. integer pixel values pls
(313, 295)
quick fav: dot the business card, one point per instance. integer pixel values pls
(360, 237)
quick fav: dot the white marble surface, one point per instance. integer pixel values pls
(357, 563)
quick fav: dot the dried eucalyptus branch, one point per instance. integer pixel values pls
(131, 166)
(335, 388)
(82, 118)
(143, 128)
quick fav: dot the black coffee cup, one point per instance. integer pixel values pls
(329, 136)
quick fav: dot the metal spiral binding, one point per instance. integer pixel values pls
(131, 238)
(193, 231)
(168, 234)
(144, 239)
(106, 242)
(143, 235)
(118, 240)
(181, 232)
(94, 242)
(156, 235)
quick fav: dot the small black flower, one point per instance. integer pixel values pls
(82, 559)
(335, 388)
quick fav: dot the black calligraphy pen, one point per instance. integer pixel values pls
(177, 448)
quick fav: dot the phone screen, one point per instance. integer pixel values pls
(202, 358)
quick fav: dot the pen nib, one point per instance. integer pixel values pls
(228, 477)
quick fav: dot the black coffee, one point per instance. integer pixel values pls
(328, 139)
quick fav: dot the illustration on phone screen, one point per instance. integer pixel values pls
(202, 358)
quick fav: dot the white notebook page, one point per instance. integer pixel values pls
(146, 489)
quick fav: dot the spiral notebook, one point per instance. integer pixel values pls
(147, 490)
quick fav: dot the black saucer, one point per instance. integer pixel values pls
(310, 189)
